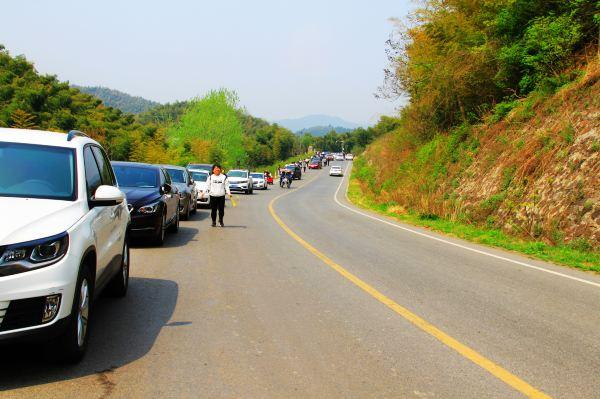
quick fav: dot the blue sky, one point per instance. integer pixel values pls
(285, 59)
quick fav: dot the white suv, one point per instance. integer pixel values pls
(63, 236)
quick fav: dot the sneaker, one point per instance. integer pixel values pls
(221, 224)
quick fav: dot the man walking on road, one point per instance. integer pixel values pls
(217, 186)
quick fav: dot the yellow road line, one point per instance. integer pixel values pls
(419, 322)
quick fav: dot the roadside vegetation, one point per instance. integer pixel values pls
(499, 142)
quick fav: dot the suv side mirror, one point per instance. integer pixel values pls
(166, 188)
(107, 196)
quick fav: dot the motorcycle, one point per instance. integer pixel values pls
(285, 182)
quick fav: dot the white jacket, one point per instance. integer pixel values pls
(217, 186)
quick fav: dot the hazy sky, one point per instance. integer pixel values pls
(285, 59)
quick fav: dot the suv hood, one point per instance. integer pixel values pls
(237, 179)
(141, 196)
(26, 219)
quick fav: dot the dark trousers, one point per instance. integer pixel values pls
(217, 203)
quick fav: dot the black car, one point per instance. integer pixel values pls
(152, 199)
(296, 171)
(182, 179)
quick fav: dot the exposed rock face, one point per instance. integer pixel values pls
(542, 179)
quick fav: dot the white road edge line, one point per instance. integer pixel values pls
(335, 197)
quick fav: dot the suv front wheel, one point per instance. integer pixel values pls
(73, 342)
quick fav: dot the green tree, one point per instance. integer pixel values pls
(213, 118)
(22, 120)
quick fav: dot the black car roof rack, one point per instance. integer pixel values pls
(76, 133)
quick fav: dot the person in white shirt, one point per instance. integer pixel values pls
(217, 186)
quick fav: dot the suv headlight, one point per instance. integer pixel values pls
(150, 208)
(30, 255)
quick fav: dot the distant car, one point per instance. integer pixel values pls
(200, 166)
(296, 171)
(349, 157)
(338, 157)
(330, 157)
(258, 180)
(188, 195)
(314, 164)
(63, 238)
(200, 177)
(240, 180)
(152, 199)
(336, 171)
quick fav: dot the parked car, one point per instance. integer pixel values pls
(349, 157)
(258, 180)
(240, 180)
(188, 195)
(200, 166)
(200, 177)
(314, 164)
(336, 170)
(296, 171)
(152, 199)
(63, 237)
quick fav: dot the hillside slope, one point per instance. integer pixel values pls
(309, 121)
(117, 99)
(535, 173)
(320, 131)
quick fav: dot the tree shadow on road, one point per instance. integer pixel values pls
(122, 331)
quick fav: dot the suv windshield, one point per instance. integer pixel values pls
(36, 171)
(237, 173)
(134, 176)
(200, 176)
(177, 175)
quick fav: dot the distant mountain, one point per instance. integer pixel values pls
(323, 130)
(117, 99)
(310, 121)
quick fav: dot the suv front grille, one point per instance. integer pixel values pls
(22, 313)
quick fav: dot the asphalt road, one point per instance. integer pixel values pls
(331, 304)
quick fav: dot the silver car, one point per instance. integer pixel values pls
(184, 182)
(258, 180)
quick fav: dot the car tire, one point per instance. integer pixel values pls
(186, 215)
(174, 227)
(159, 239)
(120, 282)
(72, 344)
